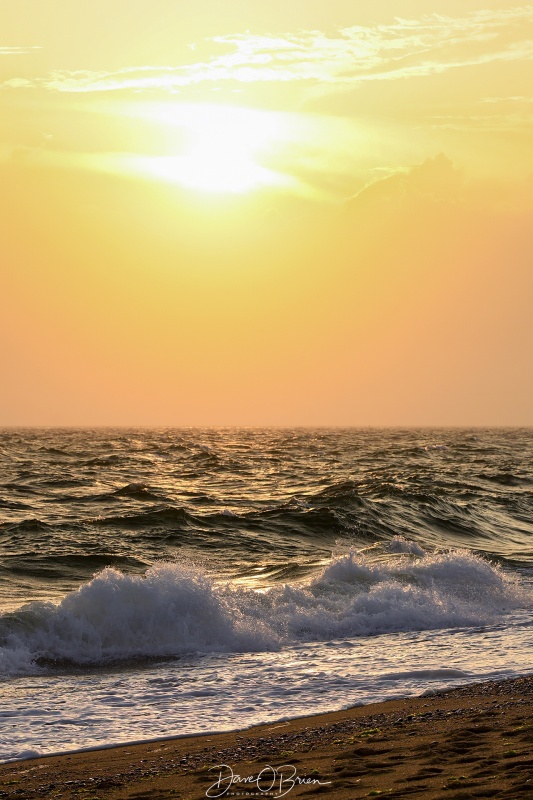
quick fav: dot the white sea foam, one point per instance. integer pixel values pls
(77, 709)
(176, 609)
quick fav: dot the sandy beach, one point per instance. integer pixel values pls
(474, 741)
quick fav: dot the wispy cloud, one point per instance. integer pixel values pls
(406, 48)
(16, 51)
(510, 113)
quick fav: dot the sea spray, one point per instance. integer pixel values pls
(174, 609)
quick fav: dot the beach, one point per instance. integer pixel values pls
(471, 741)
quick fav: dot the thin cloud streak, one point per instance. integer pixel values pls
(513, 113)
(17, 51)
(407, 48)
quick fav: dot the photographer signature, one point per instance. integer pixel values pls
(272, 781)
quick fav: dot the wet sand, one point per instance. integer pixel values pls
(471, 742)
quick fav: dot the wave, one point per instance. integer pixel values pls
(57, 451)
(63, 565)
(108, 460)
(14, 505)
(158, 517)
(505, 478)
(178, 608)
(137, 491)
(25, 526)
(287, 519)
(304, 521)
(132, 491)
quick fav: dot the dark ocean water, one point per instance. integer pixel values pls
(266, 505)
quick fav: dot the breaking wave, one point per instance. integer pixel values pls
(174, 609)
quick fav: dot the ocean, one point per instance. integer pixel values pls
(165, 582)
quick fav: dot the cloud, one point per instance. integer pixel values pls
(436, 179)
(18, 83)
(513, 113)
(16, 51)
(406, 48)
(438, 183)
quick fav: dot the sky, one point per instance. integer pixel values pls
(283, 213)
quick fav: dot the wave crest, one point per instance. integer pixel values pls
(176, 609)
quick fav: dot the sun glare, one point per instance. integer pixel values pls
(221, 147)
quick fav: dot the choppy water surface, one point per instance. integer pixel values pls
(235, 576)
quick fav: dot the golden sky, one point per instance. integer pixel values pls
(249, 213)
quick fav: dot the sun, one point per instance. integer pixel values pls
(220, 147)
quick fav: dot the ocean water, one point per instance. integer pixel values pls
(168, 582)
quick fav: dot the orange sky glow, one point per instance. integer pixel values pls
(283, 213)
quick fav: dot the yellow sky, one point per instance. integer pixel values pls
(283, 213)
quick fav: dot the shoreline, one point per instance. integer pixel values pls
(466, 742)
(236, 731)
